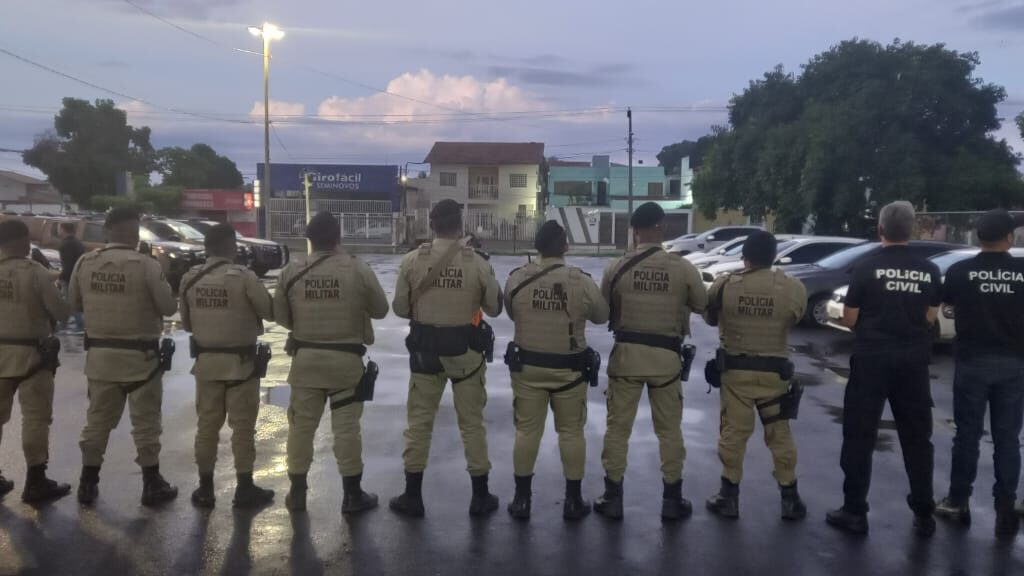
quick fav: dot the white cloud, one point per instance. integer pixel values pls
(427, 94)
(279, 108)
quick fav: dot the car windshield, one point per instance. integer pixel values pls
(185, 231)
(736, 249)
(783, 246)
(944, 261)
(844, 258)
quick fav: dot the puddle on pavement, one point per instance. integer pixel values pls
(275, 396)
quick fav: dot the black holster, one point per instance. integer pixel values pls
(262, 360)
(592, 366)
(688, 353)
(364, 389)
(481, 339)
(712, 374)
(167, 348)
(789, 403)
(49, 353)
(512, 358)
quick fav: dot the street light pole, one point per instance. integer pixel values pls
(268, 32)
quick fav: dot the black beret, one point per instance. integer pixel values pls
(997, 224)
(760, 248)
(119, 215)
(446, 208)
(11, 230)
(323, 228)
(647, 215)
(218, 234)
(550, 236)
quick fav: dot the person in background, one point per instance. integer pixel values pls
(71, 249)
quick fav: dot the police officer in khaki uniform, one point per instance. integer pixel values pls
(223, 305)
(30, 306)
(652, 294)
(124, 297)
(327, 303)
(754, 311)
(551, 364)
(440, 288)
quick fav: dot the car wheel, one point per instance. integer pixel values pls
(817, 312)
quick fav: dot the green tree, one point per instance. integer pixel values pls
(860, 126)
(90, 144)
(1020, 124)
(671, 155)
(198, 167)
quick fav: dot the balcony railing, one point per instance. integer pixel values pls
(483, 192)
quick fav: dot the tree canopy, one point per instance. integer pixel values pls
(863, 124)
(198, 167)
(671, 155)
(1020, 124)
(90, 144)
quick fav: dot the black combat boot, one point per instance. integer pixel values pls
(520, 506)
(727, 502)
(673, 505)
(204, 497)
(295, 501)
(39, 488)
(89, 485)
(410, 503)
(483, 502)
(609, 504)
(355, 499)
(575, 507)
(793, 507)
(249, 495)
(924, 525)
(1007, 522)
(950, 509)
(5, 486)
(156, 490)
(847, 521)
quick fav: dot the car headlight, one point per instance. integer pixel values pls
(172, 255)
(837, 297)
(947, 312)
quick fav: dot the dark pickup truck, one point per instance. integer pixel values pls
(263, 255)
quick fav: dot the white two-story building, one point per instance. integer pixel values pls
(498, 183)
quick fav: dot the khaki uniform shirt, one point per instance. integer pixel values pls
(465, 286)
(755, 310)
(224, 309)
(656, 296)
(332, 303)
(29, 306)
(123, 295)
(551, 313)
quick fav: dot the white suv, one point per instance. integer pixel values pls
(705, 241)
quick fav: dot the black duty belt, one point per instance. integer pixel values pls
(123, 344)
(236, 350)
(554, 361)
(671, 343)
(357, 349)
(32, 342)
(775, 364)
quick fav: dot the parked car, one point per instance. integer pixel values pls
(792, 251)
(706, 241)
(823, 277)
(175, 257)
(947, 316)
(705, 259)
(263, 256)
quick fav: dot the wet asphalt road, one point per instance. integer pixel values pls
(119, 536)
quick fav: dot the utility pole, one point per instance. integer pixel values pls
(267, 32)
(629, 236)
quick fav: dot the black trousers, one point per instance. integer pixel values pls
(901, 376)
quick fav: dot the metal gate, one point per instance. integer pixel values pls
(363, 221)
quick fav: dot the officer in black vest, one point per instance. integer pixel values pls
(891, 305)
(987, 295)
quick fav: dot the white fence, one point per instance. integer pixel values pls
(369, 221)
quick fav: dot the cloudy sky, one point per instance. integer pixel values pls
(376, 82)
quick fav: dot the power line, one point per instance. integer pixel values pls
(117, 93)
(281, 142)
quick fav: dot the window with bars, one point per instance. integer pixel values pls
(449, 179)
(517, 180)
(655, 189)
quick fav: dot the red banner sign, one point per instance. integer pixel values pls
(225, 200)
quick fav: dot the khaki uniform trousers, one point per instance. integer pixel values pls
(665, 395)
(470, 398)
(35, 395)
(305, 409)
(239, 404)
(533, 389)
(742, 391)
(106, 405)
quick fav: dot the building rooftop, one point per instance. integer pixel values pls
(22, 178)
(486, 153)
